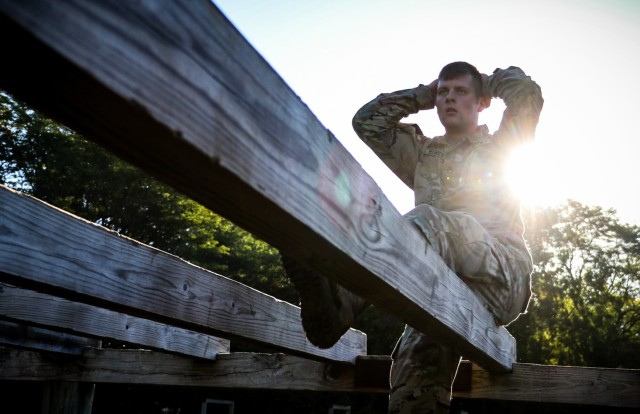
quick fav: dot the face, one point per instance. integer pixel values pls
(458, 105)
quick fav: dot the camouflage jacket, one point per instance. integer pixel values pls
(468, 176)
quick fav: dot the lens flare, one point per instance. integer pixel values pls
(531, 177)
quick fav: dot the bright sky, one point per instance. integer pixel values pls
(339, 54)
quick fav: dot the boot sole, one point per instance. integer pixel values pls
(319, 304)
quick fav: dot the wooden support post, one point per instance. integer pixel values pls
(58, 397)
(61, 397)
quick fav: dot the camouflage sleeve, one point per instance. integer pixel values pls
(378, 124)
(523, 99)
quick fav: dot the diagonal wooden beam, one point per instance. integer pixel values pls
(34, 308)
(47, 250)
(25, 336)
(174, 88)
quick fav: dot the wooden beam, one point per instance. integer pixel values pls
(557, 384)
(34, 308)
(46, 249)
(174, 88)
(527, 382)
(58, 397)
(236, 370)
(41, 339)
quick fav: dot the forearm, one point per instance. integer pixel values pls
(376, 119)
(511, 84)
(378, 124)
(523, 99)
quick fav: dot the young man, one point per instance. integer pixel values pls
(464, 209)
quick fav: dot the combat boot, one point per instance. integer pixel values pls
(326, 308)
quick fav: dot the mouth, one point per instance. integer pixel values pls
(451, 111)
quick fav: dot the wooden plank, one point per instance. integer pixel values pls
(174, 88)
(45, 249)
(58, 397)
(527, 382)
(27, 306)
(373, 371)
(236, 370)
(557, 384)
(41, 339)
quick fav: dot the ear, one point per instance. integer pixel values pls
(485, 102)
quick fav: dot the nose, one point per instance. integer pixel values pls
(451, 97)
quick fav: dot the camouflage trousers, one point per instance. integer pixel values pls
(497, 270)
(421, 375)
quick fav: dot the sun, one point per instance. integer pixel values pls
(531, 176)
(532, 169)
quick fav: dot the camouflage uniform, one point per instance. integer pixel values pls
(465, 211)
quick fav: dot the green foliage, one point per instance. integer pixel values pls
(54, 164)
(382, 330)
(586, 305)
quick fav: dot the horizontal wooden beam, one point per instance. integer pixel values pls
(557, 384)
(35, 338)
(48, 250)
(35, 308)
(175, 89)
(527, 382)
(236, 370)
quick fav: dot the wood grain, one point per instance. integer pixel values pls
(34, 308)
(174, 88)
(527, 382)
(45, 249)
(21, 335)
(558, 384)
(236, 370)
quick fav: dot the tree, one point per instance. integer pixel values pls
(586, 305)
(53, 163)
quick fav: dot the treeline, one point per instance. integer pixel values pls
(586, 304)
(585, 309)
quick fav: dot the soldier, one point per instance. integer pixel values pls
(464, 209)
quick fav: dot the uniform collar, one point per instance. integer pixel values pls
(479, 136)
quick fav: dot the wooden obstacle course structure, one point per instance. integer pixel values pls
(173, 88)
(177, 91)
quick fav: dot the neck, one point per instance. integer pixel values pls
(455, 135)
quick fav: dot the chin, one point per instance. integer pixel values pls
(454, 126)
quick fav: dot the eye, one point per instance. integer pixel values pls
(462, 92)
(442, 92)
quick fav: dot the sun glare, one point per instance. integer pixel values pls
(531, 177)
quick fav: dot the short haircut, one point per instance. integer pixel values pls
(455, 70)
